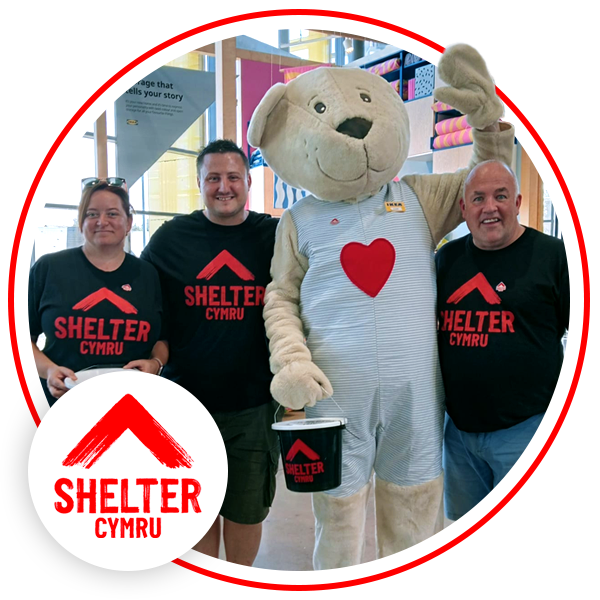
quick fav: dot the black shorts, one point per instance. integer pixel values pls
(252, 455)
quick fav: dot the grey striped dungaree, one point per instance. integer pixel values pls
(380, 353)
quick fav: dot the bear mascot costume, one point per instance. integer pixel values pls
(351, 309)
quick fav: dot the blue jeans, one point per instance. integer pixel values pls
(474, 463)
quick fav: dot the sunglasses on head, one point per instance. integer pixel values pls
(114, 181)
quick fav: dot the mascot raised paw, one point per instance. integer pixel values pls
(350, 313)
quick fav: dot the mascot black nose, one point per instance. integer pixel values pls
(356, 128)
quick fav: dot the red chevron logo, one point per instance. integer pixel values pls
(300, 446)
(223, 259)
(479, 282)
(128, 413)
(105, 294)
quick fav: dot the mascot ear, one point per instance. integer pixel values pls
(262, 112)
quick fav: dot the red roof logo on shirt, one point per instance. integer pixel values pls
(223, 259)
(128, 413)
(300, 446)
(479, 282)
(105, 294)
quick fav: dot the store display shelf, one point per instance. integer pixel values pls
(419, 98)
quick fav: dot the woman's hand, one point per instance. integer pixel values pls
(149, 365)
(56, 379)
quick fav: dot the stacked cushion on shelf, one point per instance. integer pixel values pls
(385, 67)
(440, 107)
(396, 85)
(450, 125)
(411, 89)
(457, 138)
(424, 81)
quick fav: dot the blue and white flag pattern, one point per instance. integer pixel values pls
(285, 195)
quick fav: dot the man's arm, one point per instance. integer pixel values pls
(161, 349)
(564, 292)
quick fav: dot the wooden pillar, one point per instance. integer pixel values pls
(225, 96)
(101, 147)
(532, 209)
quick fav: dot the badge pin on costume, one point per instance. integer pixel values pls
(501, 287)
(397, 207)
(126, 287)
(334, 222)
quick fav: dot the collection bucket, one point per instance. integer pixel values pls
(311, 450)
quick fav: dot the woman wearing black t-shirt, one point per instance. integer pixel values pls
(96, 305)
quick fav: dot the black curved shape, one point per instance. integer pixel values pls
(357, 127)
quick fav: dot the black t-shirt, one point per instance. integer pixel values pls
(502, 315)
(213, 280)
(92, 317)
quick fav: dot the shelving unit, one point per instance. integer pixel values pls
(439, 117)
(419, 108)
(406, 70)
(391, 76)
(421, 116)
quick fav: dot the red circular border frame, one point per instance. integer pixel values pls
(534, 535)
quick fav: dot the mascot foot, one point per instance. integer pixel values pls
(339, 529)
(407, 515)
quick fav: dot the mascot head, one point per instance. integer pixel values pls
(340, 134)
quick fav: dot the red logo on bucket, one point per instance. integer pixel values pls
(300, 446)
(303, 472)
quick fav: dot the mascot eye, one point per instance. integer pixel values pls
(320, 107)
(365, 97)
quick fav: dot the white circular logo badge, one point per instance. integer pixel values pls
(128, 471)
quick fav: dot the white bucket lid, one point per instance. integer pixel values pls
(303, 424)
(86, 374)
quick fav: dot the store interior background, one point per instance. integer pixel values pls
(169, 186)
(246, 67)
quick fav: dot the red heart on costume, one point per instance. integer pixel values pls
(368, 267)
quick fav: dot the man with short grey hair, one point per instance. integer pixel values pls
(503, 308)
